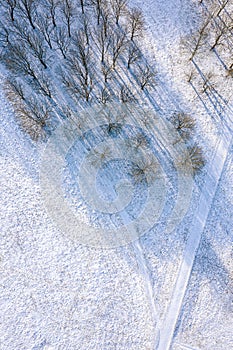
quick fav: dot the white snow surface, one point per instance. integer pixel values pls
(165, 292)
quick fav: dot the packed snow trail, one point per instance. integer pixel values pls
(214, 173)
(148, 287)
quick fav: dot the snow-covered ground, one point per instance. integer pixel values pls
(56, 293)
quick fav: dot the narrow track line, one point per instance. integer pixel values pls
(148, 288)
(214, 173)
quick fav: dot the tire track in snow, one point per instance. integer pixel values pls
(144, 270)
(215, 170)
(214, 174)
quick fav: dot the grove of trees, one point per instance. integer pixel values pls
(63, 55)
(73, 52)
(214, 36)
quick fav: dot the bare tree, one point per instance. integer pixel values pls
(218, 36)
(14, 89)
(46, 28)
(104, 95)
(103, 41)
(43, 85)
(138, 141)
(133, 54)
(197, 40)
(221, 5)
(184, 124)
(99, 6)
(105, 20)
(145, 76)
(52, 7)
(192, 161)
(86, 27)
(86, 83)
(37, 47)
(190, 75)
(68, 10)
(34, 116)
(118, 45)
(126, 95)
(107, 70)
(81, 64)
(206, 82)
(16, 59)
(230, 70)
(32, 126)
(82, 4)
(71, 85)
(4, 35)
(10, 6)
(81, 50)
(114, 124)
(221, 30)
(62, 40)
(197, 158)
(113, 128)
(28, 10)
(144, 171)
(100, 156)
(193, 43)
(119, 8)
(39, 110)
(136, 22)
(20, 30)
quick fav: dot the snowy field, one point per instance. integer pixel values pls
(161, 291)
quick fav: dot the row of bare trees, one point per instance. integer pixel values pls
(215, 32)
(211, 42)
(88, 50)
(65, 52)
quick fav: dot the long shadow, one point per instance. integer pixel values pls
(152, 242)
(220, 104)
(166, 96)
(220, 59)
(169, 95)
(214, 101)
(207, 268)
(210, 96)
(219, 107)
(215, 20)
(201, 99)
(149, 240)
